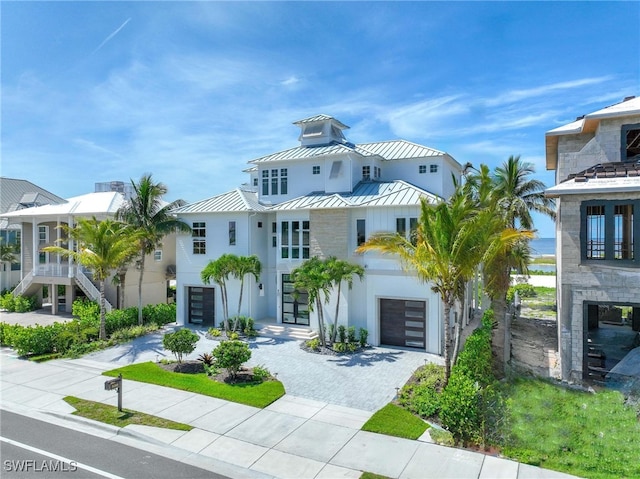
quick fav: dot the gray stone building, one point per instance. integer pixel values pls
(597, 191)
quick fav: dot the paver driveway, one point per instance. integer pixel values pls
(365, 381)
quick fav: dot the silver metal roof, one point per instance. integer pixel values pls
(366, 193)
(321, 117)
(235, 200)
(386, 150)
(399, 150)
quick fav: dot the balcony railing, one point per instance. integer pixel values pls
(56, 270)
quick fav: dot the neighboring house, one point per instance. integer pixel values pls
(16, 195)
(597, 163)
(41, 227)
(322, 198)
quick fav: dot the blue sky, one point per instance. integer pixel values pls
(191, 91)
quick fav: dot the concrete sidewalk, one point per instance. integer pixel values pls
(292, 438)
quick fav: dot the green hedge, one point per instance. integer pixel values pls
(468, 404)
(80, 336)
(18, 304)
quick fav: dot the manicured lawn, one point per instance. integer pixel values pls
(110, 415)
(394, 420)
(588, 435)
(257, 395)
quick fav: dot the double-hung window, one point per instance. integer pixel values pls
(199, 235)
(610, 231)
(366, 172)
(265, 182)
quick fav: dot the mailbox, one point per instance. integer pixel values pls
(112, 384)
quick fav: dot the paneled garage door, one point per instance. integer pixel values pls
(403, 323)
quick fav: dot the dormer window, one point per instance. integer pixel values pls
(312, 131)
(321, 130)
(316, 170)
(366, 172)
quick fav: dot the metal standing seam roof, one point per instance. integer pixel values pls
(320, 117)
(366, 193)
(13, 191)
(235, 200)
(387, 150)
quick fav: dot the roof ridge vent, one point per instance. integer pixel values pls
(627, 98)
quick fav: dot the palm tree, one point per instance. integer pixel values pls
(452, 238)
(102, 247)
(313, 276)
(443, 253)
(512, 196)
(8, 253)
(339, 271)
(219, 271)
(148, 215)
(243, 266)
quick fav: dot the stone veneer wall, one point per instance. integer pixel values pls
(578, 283)
(329, 235)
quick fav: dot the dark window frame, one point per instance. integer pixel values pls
(624, 131)
(232, 233)
(361, 231)
(609, 258)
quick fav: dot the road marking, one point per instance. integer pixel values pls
(60, 458)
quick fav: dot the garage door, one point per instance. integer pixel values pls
(403, 323)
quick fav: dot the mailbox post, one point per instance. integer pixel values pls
(115, 383)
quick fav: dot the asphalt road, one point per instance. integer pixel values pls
(33, 448)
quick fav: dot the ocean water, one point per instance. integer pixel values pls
(543, 246)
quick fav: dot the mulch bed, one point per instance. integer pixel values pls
(328, 351)
(245, 375)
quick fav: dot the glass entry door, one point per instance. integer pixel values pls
(295, 307)
(201, 306)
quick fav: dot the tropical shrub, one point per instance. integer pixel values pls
(421, 395)
(180, 342)
(159, 314)
(363, 334)
(215, 332)
(466, 401)
(231, 355)
(313, 344)
(260, 373)
(206, 359)
(524, 290)
(18, 304)
(342, 334)
(351, 334)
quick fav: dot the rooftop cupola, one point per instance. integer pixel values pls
(321, 130)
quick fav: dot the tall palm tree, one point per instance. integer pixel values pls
(219, 271)
(443, 253)
(102, 247)
(313, 276)
(513, 196)
(243, 266)
(341, 271)
(149, 215)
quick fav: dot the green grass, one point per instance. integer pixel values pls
(252, 394)
(589, 435)
(371, 475)
(394, 420)
(110, 415)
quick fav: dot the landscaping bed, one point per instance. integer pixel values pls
(256, 394)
